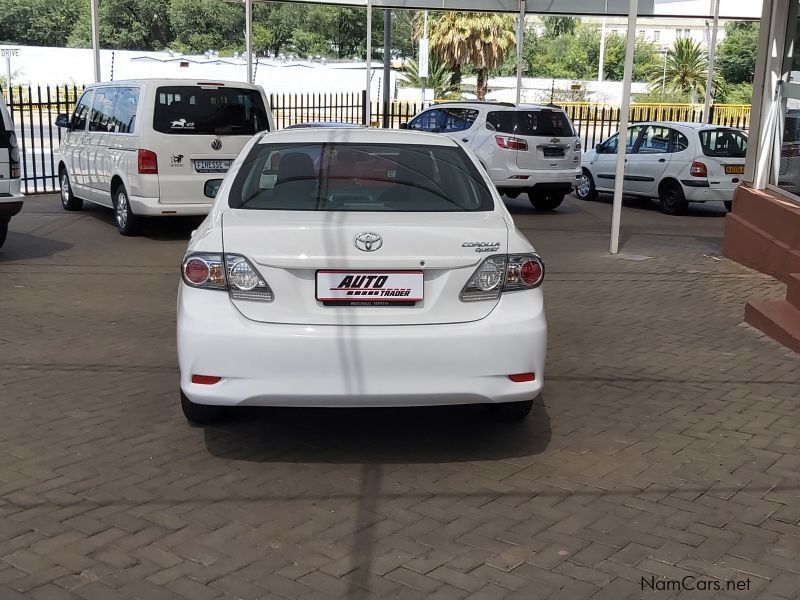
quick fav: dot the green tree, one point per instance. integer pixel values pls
(557, 26)
(645, 58)
(274, 25)
(201, 25)
(126, 25)
(439, 78)
(686, 69)
(736, 57)
(463, 39)
(39, 22)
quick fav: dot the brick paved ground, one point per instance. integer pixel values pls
(667, 442)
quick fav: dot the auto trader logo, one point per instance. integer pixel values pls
(370, 285)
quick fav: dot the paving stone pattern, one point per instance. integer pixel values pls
(666, 443)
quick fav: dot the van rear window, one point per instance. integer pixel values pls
(193, 110)
(531, 122)
(724, 142)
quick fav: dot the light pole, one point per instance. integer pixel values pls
(664, 73)
(602, 45)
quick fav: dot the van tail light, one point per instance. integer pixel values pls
(698, 169)
(577, 145)
(13, 155)
(510, 143)
(148, 162)
(228, 272)
(503, 273)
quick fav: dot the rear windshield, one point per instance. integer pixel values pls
(724, 142)
(359, 177)
(531, 122)
(193, 110)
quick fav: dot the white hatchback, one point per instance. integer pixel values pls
(359, 267)
(525, 148)
(675, 162)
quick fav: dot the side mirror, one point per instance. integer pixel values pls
(403, 125)
(600, 148)
(211, 188)
(62, 120)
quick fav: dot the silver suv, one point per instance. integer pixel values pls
(525, 148)
(10, 195)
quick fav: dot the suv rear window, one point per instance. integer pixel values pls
(541, 122)
(724, 142)
(193, 110)
(359, 177)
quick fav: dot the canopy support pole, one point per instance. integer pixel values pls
(248, 37)
(712, 53)
(520, 43)
(387, 66)
(368, 85)
(95, 39)
(630, 46)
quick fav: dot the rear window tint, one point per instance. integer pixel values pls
(531, 122)
(359, 177)
(192, 110)
(723, 142)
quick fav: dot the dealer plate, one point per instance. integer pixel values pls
(370, 288)
(212, 166)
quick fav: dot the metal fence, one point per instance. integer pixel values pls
(34, 109)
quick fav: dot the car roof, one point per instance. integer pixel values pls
(358, 135)
(687, 125)
(498, 105)
(175, 81)
(326, 124)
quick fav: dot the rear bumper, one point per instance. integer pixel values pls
(266, 364)
(10, 206)
(706, 193)
(151, 207)
(566, 177)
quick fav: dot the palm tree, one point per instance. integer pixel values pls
(439, 78)
(461, 39)
(686, 70)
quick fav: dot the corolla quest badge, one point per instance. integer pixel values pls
(216, 144)
(368, 242)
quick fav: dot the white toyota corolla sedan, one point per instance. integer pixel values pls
(359, 267)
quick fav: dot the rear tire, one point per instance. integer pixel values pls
(512, 411)
(201, 414)
(673, 201)
(127, 222)
(3, 232)
(586, 190)
(68, 199)
(546, 200)
(728, 205)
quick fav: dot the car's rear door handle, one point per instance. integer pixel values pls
(662, 160)
(464, 139)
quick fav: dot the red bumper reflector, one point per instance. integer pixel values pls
(205, 379)
(522, 377)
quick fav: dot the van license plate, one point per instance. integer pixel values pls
(370, 288)
(553, 152)
(734, 169)
(212, 166)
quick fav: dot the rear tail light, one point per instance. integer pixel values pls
(148, 162)
(577, 145)
(510, 143)
(230, 272)
(522, 377)
(13, 155)
(698, 169)
(503, 273)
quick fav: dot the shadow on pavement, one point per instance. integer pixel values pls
(23, 246)
(377, 435)
(162, 229)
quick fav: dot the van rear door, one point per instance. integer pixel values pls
(198, 130)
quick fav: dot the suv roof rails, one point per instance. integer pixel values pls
(490, 102)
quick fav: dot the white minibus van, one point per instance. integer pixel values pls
(155, 147)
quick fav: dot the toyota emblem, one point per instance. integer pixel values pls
(368, 242)
(216, 144)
